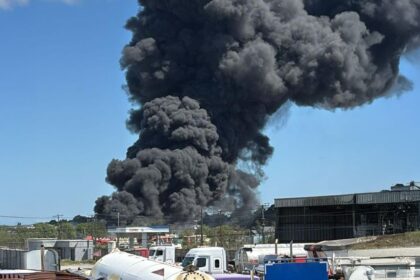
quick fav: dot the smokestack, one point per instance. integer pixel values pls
(208, 74)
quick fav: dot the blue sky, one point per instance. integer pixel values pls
(63, 111)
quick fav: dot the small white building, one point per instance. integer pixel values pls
(75, 250)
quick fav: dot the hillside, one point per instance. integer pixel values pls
(408, 239)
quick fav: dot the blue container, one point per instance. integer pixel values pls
(296, 271)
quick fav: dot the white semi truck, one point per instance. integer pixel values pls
(207, 259)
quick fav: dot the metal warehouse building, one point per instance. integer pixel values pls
(312, 219)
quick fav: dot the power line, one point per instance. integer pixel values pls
(24, 217)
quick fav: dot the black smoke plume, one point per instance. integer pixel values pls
(208, 74)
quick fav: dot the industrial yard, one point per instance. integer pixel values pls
(341, 258)
(224, 248)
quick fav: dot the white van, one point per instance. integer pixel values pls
(207, 259)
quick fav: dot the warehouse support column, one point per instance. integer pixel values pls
(131, 242)
(304, 225)
(418, 215)
(276, 226)
(354, 219)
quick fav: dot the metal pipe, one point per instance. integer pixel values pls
(275, 247)
(291, 250)
(42, 257)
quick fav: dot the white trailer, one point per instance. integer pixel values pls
(250, 255)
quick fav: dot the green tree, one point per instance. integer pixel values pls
(6, 238)
(44, 230)
(66, 230)
(228, 236)
(79, 219)
(94, 228)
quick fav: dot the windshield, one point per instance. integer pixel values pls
(270, 258)
(187, 261)
(152, 253)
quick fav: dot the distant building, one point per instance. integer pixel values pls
(311, 219)
(138, 234)
(75, 250)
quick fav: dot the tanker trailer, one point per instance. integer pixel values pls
(119, 265)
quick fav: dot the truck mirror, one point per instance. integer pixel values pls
(190, 268)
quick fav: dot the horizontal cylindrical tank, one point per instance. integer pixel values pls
(123, 266)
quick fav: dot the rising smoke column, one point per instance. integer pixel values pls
(178, 167)
(241, 60)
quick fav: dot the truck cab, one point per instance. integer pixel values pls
(207, 259)
(162, 253)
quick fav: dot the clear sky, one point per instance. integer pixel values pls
(63, 111)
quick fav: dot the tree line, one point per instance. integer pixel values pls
(218, 229)
(78, 227)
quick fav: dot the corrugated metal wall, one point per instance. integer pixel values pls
(11, 258)
(313, 223)
(315, 201)
(387, 197)
(373, 219)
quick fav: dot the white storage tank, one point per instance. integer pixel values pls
(124, 266)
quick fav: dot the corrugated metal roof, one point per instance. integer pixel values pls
(387, 197)
(315, 201)
(347, 199)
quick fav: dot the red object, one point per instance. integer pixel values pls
(143, 252)
(97, 253)
(300, 259)
(99, 240)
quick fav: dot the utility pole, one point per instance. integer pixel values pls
(94, 229)
(58, 226)
(116, 210)
(220, 228)
(201, 228)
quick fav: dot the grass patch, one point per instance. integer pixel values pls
(70, 262)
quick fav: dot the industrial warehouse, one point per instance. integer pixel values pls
(311, 219)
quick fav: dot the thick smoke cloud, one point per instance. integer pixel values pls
(242, 60)
(178, 167)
